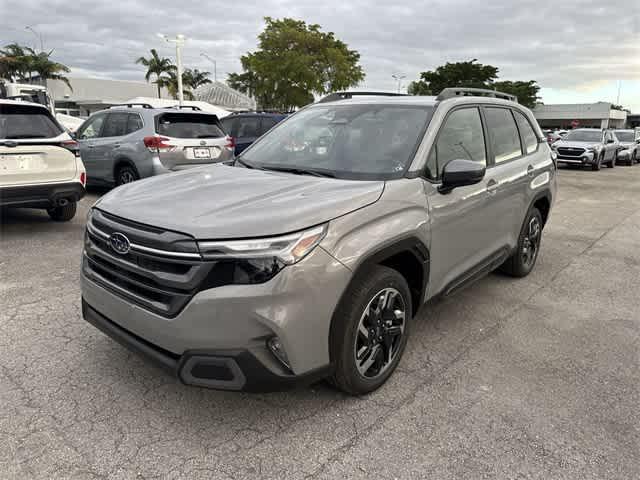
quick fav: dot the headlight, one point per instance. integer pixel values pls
(288, 249)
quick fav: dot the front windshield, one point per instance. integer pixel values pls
(625, 136)
(584, 136)
(365, 141)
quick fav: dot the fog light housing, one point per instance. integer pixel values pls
(277, 349)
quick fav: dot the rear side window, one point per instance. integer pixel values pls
(230, 126)
(503, 133)
(528, 135)
(268, 123)
(134, 124)
(188, 125)
(116, 125)
(460, 138)
(25, 121)
(248, 127)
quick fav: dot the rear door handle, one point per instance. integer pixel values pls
(90, 146)
(492, 186)
(116, 145)
(530, 170)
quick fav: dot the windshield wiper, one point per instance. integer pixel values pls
(303, 171)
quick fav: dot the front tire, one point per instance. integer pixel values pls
(596, 166)
(369, 330)
(63, 214)
(613, 161)
(524, 258)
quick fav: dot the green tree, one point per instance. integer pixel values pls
(19, 63)
(293, 62)
(460, 74)
(527, 92)
(156, 65)
(194, 78)
(48, 69)
(170, 81)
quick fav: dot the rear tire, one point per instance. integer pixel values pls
(126, 174)
(63, 214)
(524, 258)
(369, 330)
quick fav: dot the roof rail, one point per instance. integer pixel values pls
(131, 105)
(332, 97)
(195, 108)
(474, 92)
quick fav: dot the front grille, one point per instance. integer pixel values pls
(571, 151)
(161, 272)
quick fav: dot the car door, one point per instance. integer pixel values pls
(463, 232)
(610, 145)
(248, 130)
(507, 176)
(106, 147)
(87, 136)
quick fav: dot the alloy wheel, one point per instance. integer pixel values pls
(380, 332)
(126, 176)
(531, 242)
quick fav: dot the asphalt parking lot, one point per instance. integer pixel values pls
(531, 378)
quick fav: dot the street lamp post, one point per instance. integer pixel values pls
(37, 34)
(398, 78)
(215, 66)
(179, 41)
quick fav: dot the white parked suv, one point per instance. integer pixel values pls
(40, 165)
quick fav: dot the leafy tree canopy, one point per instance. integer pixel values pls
(294, 61)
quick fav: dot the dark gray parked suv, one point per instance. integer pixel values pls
(129, 142)
(309, 258)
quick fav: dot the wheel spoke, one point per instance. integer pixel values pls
(371, 358)
(394, 331)
(363, 330)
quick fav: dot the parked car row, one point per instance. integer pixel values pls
(594, 147)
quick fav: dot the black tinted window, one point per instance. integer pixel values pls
(460, 138)
(228, 124)
(248, 127)
(135, 123)
(528, 135)
(24, 121)
(268, 123)
(188, 125)
(116, 125)
(503, 133)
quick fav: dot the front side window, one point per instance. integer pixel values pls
(505, 140)
(91, 128)
(528, 135)
(25, 121)
(356, 141)
(460, 138)
(116, 125)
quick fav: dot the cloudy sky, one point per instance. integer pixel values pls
(577, 50)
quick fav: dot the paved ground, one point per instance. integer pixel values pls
(533, 378)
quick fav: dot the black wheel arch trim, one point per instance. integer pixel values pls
(546, 194)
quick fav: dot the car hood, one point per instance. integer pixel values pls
(219, 202)
(570, 144)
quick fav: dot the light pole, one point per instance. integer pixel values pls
(38, 35)
(215, 66)
(179, 41)
(398, 78)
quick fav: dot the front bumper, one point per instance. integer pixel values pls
(296, 306)
(42, 195)
(588, 158)
(237, 370)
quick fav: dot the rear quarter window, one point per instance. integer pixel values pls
(188, 125)
(25, 121)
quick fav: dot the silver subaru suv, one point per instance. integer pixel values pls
(136, 140)
(310, 256)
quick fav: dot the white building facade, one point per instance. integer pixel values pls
(594, 115)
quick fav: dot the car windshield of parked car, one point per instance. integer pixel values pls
(625, 136)
(584, 136)
(358, 141)
(26, 121)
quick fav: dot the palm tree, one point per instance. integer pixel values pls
(16, 62)
(156, 65)
(194, 78)
(47, 69)
(170, 82)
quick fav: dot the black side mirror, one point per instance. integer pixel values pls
(458, 173)
(611, 140)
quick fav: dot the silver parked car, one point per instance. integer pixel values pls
(128, 142)
(309, 258)
(589, 147)
(629, 141)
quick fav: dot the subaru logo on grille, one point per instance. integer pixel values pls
(119, 243)
(203, 142)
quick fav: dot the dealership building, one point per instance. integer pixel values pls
(595, 115)
(88, 95)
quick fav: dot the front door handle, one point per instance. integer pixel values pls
(492, 186)
(90, 146)
(530, 170)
